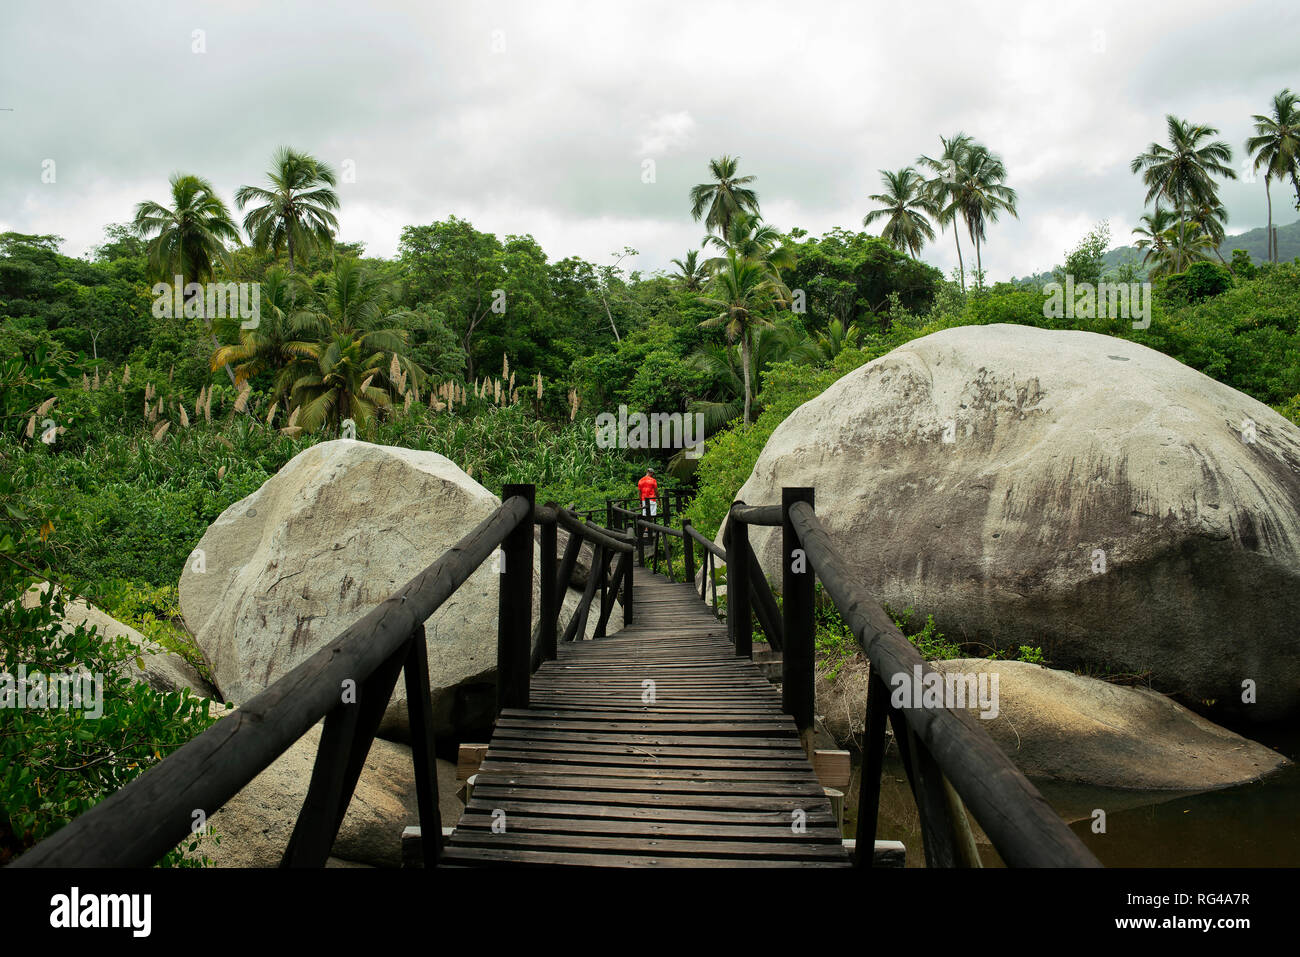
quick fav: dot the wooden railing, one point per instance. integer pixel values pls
(951, 762)
(139, 824)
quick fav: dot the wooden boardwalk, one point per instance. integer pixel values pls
(653, 747)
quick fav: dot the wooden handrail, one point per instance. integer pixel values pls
(1023, 827)
(757, 514)
(593, 534)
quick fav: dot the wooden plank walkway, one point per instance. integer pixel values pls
(708, 772)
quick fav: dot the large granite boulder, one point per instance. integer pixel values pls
(1066, 490)
(336, 531)
(255, 825)
(161, 669)
(1059, 726)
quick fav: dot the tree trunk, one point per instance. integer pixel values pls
(956, 235)
(289, 240)
(1272, 253)
(744, 360)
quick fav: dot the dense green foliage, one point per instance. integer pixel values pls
(128, 426)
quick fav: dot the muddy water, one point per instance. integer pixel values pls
(1252, 825)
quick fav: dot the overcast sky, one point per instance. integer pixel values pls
(539, 117)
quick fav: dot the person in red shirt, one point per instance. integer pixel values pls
(649, 490)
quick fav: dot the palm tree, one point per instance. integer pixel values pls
(1183, 172)
(724, 362)
(752, 239)
(835, 340)
(691, 273)
(266, 347)
(1211, 219)
(1184, 245)
(343, 345)
(745, 294)
(719, 201)
(907, 204)
(190, 235)
(1276, 150)
(981, 194)
(1153, 235)
(942, 187)
(297, 211)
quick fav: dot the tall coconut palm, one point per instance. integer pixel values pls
(345, 353)
(296, 213)
(719, 201)
(754, 240)
(745, 294)
(1183, 172)
(1275, 148)
(981, 194)
(691, 272)
(906, 206)
(942, 187)
(188, 237)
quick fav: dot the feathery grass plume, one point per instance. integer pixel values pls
(226, 442)
(160, 405)
(185, 419)
(45, 406)
(292, 431)
(146, 409)
(505, 366)
(126, 374)
(207, 407)
(241, 400)
(148, 391)
(270, 416)
(573, 404)
(406, 406)
(31, 427)
(293, 418)
(514, 397)
(221, 473)
(366, 385)
(161, 430)
(436, 404)
(85, 382)
(539, 385)
(511, 387)
(170, 372)
(94, 383)
(198, 402)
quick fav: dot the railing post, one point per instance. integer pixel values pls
(636, 530)
(600, 567)
(797, 580)
(548, 604)
(609, 513)
(688, 553)
(627, 592)
(739, 619)
(515, 606)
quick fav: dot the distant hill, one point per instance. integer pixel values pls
(1254, 241)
